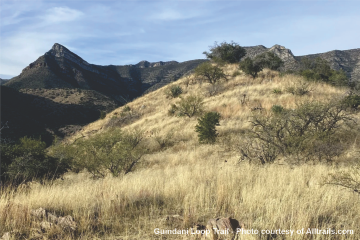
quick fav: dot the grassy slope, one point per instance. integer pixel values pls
(198, 181)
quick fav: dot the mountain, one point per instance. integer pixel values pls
(61, 68)
(3, 81)
(347, 60)
(48, 112)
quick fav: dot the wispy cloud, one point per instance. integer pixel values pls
(124, 32)
(61, 14)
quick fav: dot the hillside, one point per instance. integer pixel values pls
(3, 81)
(50, 112)
(179, 182)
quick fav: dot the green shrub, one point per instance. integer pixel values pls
(113, 151)
(102, 114)
(226, 52)
(28, 160)
(206, 127)
(207, 72)
(320, 70)
(189, 106)
(249, 67)
(352, 101)
(277, 109)
(277, 91)
(309, 132)
(174, 91)
(126, 109)
(268, 60)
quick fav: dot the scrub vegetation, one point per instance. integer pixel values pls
(260, 150)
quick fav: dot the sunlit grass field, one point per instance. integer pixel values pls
(196, 181)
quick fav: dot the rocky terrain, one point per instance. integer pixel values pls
(347, 60)
(61, 68)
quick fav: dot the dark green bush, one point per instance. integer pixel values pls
(174, 91)
(277, 109)
(207, 72)
(249, 67)
(28, 161)
(320, 70)
(206, 127)
(352, 101)
(268, 60)
(226, 52)
(102, 114)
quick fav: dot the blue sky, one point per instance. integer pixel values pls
(128, 31)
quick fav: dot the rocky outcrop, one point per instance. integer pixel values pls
(59, 67)
(347, 60)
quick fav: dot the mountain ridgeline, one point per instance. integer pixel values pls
(60, 92)
(346, 60)
(60, 68)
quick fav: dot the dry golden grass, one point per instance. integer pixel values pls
(196, 181)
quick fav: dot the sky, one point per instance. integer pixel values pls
(125, 32)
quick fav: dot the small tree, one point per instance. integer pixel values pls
(212, 74)
(190, 106)
(268, 60)
(28, 160)
(226, 52)
(206, 127)
(174, 91)
(249, 67)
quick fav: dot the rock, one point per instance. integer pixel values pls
(39, 213)
(222, 228)
(46, 226)
(67, 223)
(50, 220)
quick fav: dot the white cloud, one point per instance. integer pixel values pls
(61, 14)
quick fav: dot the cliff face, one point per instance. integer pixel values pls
(61, 68)
(347, 60)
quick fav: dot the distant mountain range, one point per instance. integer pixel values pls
(60, 92)
(61, 68)
(347, 60)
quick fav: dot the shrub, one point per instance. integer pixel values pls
(277, 109)
(174, 91)
(126, 109)
(188, 106)
(308, 132)
(250, 68)
(226, 52)
(28, 160)
(320, 70)
(207, 72)
(352, 101)
(112, 151)
(268, 60)
(206, 127)
(102, 114)
(277, 91)
(299, 89)
(346, 179)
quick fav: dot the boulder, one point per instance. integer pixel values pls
(222, 228)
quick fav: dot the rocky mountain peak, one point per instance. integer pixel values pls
(282, 52)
